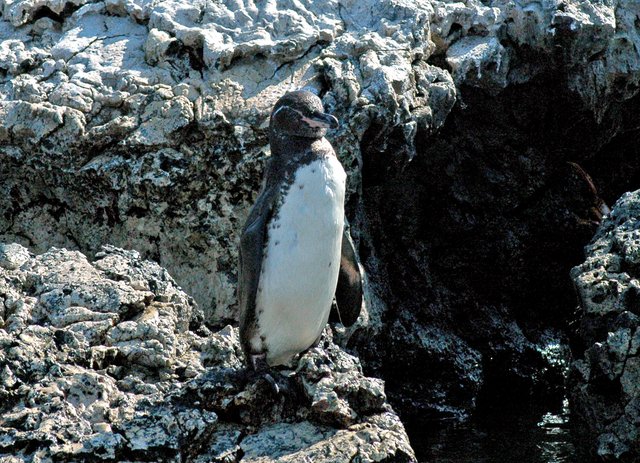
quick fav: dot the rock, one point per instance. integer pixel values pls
(12, 256)
(154, 116)
(292, 443)
(484, 45)
(109, 360)
(468, 246)
(340, 393)
(605, 375)
(159, 47)
(469, 132)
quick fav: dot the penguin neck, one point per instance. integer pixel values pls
(292, 147)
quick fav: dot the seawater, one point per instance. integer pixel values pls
(542, 438)
(505, 436)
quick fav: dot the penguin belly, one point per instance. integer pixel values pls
(302, 257)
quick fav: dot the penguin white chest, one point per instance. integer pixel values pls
(301, 262)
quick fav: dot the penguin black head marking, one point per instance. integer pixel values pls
(300, 114)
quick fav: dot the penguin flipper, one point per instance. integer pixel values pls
(349, 290)
(251, 255)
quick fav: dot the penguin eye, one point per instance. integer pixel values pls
(287, 112)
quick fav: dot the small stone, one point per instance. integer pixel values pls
(12, 256)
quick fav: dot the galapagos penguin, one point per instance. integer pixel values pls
(295, 252)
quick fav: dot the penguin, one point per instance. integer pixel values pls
(295, 249)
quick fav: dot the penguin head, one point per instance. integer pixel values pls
(300, 113)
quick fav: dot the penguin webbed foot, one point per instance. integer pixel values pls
(275, 387)
(259, 369)
(258, 363)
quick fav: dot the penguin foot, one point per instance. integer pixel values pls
(277, 386)
(272, 382)
(259, 362)
(259, 369)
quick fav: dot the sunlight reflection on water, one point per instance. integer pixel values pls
(521, 440)
(521, 437)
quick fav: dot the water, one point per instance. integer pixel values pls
(507, 433)
(506, 438)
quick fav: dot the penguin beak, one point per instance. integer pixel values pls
(321, 121)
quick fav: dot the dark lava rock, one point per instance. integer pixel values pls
(605, 374)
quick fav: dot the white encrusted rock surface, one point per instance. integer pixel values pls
(148, 118)
(142, 124)
(151, 116)
(109, 361)
(605, 379)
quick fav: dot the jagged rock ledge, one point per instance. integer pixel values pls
(143, 124)
(109, 361)
(605, 375)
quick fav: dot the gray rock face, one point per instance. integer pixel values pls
(109, 361)
(473, 239)
(605, 379)
(142, 124)
(152, 116)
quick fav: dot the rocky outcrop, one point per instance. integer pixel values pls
(143, 124)
(605, 375)
(109, 361)
(474, 239)
(469, 131)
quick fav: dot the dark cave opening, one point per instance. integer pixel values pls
(477, 235)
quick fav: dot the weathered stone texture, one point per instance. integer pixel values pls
(468, 132)
(143, 124)
(109, 361)
(605, 375)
